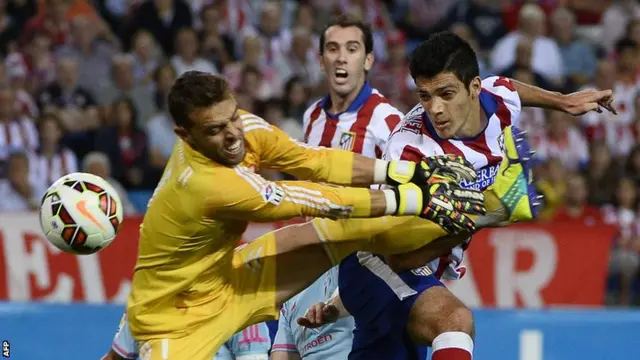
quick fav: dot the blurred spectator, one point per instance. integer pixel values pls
(306, 18)
(93, 55)
(146, 56)
(273, 114)
(576, 206)
(465, 32)
(547, 59)
(17, 133)
(295, 100)
(252, 52)
(632, 165)
(418, 18)
(554, 187)
(595, 123)
(160, 127)
(123, 84)
(125, 145)
(9, 29)
(625, 258)
(17, 80)
(19, 191)
(484, 20)
(392, 76)
(303, 60)
(52, 21)
(187, 54)
(97, 163)
(522, 63)
(532, 119)
(252, 83)
(35, 63)
(274, 38)
(602, 174)
(52, 161)
(163, 78)
(74, 104)
(564, 142)
(578, 57)
(245, 101)
(236, 15)
(163, 19)
(615, 20)
(216, 46)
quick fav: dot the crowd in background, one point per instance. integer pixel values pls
(83, 87)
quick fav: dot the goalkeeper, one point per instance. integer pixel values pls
(191, 291)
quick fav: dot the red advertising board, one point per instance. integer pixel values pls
(525, 266)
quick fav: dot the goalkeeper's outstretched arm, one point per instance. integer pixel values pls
(279, 152)
(253, 198)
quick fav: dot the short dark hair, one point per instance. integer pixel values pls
(444, 52)
(195, 90)
(348, 20)
(625, 44)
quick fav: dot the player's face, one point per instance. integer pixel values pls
(345, 59)
(449, 103)
(216, 132)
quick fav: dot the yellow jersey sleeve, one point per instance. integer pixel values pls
(246, 195)
(279, 151)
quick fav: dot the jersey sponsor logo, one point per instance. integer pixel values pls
(501, 142)
(422, 271)
(272, 194)
(347, 140)
(320, 340)
(486, 177)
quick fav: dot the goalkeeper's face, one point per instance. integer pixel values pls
(217, 133)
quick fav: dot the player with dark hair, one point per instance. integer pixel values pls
(192, 289)
(463, 115)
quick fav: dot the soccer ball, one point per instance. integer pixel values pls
(80, 213)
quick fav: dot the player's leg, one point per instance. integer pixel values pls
(124, 346)
(438, 318)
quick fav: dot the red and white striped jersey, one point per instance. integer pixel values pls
(18, 134)
(50, 169)
(363, 128)
(416, 138)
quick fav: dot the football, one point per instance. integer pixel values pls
(80, 213)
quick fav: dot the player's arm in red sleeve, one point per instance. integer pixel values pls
(577, 103)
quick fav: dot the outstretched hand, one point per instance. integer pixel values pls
(582, 102)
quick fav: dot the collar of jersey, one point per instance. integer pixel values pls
(363, 95)
(489, 104)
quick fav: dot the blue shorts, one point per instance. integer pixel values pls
(380, 302)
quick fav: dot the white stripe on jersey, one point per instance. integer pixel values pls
(374, 120)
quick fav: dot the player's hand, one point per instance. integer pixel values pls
(430, 169)
(582, 102)
(319, 315)
(443, 202)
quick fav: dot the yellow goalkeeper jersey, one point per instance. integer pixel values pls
(200, 209)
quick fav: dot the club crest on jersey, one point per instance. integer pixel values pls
(347, 140)
(272, 194)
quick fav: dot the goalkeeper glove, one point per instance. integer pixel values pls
(430, 169)
(443, 202)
